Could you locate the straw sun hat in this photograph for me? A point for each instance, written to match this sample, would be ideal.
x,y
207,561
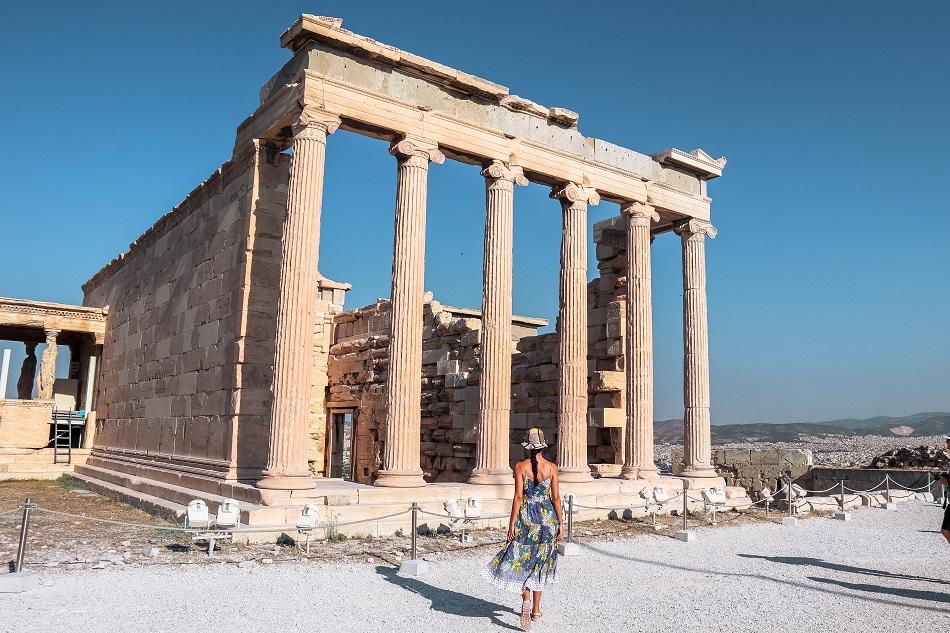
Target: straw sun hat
x,y
534,439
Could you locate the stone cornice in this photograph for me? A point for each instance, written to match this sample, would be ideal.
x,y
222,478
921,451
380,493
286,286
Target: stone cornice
x,y
696,161
42,308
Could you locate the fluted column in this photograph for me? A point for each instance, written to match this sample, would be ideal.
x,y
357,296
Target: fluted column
x,y
287,467
638,453
401,451
44,390
696,424
572,331
494,404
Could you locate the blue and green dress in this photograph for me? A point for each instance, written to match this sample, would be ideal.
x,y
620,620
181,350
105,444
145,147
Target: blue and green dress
x,y
530,560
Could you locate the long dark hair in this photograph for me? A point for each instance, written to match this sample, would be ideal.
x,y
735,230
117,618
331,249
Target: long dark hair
x,y
534,463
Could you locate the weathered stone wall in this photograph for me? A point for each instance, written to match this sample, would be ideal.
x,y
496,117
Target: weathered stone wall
x,y
185,371
753,468
451,372
358,365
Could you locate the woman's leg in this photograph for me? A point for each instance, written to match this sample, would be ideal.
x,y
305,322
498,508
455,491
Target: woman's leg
x,y
537,604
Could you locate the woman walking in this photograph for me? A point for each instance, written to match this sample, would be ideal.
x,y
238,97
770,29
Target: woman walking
x,y
528,563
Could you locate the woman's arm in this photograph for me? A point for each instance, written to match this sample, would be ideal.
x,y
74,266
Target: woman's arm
x,y
556,494
516,503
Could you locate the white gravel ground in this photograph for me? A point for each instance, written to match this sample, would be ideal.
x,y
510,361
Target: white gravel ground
x,y
882,570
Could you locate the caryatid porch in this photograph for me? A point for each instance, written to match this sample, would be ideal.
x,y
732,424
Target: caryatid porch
x,y
515,141
24,420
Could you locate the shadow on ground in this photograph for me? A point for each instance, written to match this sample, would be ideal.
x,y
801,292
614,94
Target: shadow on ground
x,y
802,561
449,602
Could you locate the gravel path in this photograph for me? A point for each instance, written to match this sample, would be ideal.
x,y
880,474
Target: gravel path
x,y
883,569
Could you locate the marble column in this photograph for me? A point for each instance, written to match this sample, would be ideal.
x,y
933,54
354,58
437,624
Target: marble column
x,y
287,467
24,384
696,423
4,373
494,404
572,331
401,451
638,352
44,390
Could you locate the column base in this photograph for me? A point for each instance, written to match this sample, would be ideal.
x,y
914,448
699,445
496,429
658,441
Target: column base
x,y
488,476
574,475
634,472
699,472
400,479
286,482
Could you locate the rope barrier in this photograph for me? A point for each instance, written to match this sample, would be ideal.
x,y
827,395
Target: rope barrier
x,y
874,489
489,517
113,522
237,530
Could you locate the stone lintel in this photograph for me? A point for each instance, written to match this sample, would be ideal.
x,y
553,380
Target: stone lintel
x,y
52,316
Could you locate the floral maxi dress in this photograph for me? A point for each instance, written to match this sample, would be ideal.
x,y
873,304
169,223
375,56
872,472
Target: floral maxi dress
x,y
530,560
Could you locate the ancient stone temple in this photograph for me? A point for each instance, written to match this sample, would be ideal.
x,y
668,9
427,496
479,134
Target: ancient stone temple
x,y
231,367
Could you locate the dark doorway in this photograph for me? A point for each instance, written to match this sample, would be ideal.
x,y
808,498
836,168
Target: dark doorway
x,y
341,445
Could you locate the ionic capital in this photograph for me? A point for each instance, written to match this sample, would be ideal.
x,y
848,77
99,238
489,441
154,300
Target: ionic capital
x,y
575,193
499,170
693,227
51,336
411,148
313,124
640,211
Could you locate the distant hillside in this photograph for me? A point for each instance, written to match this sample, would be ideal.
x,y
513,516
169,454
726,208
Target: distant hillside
x,y
916,425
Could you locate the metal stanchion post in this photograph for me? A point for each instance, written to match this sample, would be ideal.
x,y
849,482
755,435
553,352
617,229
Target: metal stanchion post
x,y
570,548
20,581
943,496
842,515
414,566
685,535
24,533
415,528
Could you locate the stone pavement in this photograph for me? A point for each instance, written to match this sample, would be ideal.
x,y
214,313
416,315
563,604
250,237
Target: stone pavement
x,y
881,570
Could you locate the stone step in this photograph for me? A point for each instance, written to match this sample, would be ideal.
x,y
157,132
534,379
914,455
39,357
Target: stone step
x,y
41,456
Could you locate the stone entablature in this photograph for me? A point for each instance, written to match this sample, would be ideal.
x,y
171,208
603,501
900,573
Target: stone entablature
x,y
42,315
379,90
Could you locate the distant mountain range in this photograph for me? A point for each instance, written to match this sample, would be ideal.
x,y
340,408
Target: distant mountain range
x,y
916,425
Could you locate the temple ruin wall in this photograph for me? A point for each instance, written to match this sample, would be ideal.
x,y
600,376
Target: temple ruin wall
x,y
189,341
451,372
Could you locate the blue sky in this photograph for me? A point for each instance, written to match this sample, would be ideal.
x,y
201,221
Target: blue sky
x,y
828,283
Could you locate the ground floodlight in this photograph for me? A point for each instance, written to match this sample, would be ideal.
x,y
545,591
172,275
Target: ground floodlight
x,y
647,494
714,496
451,507
766,492
229,514
473,508
197,514
660,494
309,516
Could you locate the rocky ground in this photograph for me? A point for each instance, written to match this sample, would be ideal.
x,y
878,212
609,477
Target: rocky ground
x,y
827,451
821,575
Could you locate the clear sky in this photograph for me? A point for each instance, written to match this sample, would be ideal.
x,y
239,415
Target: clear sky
x,y
828,283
